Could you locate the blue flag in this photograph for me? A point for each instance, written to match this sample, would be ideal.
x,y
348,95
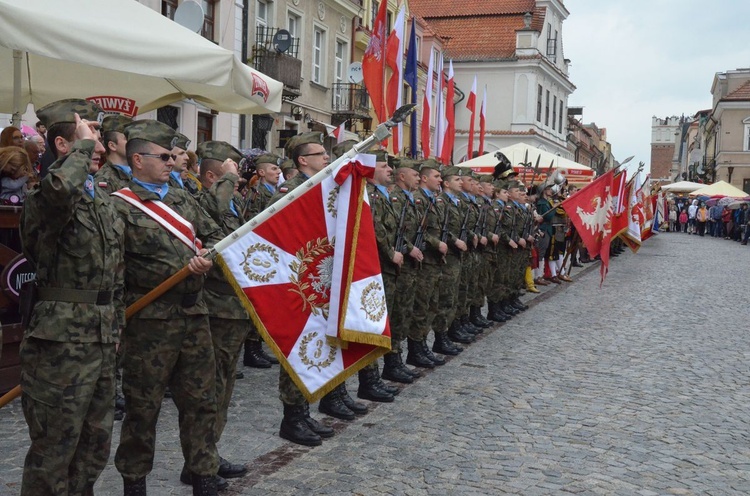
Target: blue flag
x,y
410,78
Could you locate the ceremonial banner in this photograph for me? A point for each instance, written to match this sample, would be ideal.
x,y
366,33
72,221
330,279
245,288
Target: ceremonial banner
x,y
632,237
620,207
449,137
310,277
482,122
427,109
471,104
373,63
591,212
394,58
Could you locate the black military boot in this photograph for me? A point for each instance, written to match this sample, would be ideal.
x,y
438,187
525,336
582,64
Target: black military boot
x,y
506,307
369,389
392,370
294,428
204,485
414,373
417,357
318,428
482,318
355,406
187,477
436,360
119,406
444,345
516,303
469,328
253,357
495,314
268,356
456,334
332,405
476,319
134,488
230,470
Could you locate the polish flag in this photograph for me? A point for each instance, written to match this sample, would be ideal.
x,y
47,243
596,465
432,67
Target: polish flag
x,y
373,63
394,58
426,109
450,117
338,133
439,109
482,115
471,104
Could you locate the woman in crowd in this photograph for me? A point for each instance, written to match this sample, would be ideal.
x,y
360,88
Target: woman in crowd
x,y
683,218
11,136
701,217
15,173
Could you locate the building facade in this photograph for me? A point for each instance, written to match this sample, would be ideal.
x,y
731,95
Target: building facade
x,y
665,135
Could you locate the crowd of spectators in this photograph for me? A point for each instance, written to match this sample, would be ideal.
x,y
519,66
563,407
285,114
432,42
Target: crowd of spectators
x,y
718,221
20,160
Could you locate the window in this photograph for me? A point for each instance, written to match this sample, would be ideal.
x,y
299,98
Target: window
x,y
208,19
546,110
339,71
319,37
168,8
560,117
554,112
539,104
262,13
746,141
294,25
205,127
418,47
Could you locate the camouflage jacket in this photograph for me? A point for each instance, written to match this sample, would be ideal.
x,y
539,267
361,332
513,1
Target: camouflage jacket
x,y
260,198
455,218
152,254
76,243
111,178
435,216
507,223
287,187
385,218
470,204
400,200
221,298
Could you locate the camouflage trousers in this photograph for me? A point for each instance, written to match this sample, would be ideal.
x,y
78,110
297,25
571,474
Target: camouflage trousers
x,y
426,294
467,282
500,291
228,336
519,262
68,402
450,277
401,313
177,353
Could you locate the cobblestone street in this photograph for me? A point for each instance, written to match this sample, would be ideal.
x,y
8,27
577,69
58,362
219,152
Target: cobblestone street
x,y
637,388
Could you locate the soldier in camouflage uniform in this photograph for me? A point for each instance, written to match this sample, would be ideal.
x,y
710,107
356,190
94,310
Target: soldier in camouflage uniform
x,y
168,343
431,212
180,161
498,293
470,212
229,320
71,233
115,174
487,258
267,168
520,256
451,274
297,426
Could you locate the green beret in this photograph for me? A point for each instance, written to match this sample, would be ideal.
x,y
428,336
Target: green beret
x,y
485,178
64,111
451,171
218,150
268,158
381,155
153,131
430,163
115,123
287,164
302,139
341,148
182,141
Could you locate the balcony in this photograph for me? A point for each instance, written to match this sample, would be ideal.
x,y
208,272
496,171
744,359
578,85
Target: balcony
x,y
350,101
281,66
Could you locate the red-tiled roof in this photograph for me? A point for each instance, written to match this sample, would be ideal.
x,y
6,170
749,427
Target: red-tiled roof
x,y
741,93
469,8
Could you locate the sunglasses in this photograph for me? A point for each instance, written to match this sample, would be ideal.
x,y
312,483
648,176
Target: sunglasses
x,y
163,156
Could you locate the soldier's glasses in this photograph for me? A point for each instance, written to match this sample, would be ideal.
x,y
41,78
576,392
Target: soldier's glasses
x,y
314,154
163,156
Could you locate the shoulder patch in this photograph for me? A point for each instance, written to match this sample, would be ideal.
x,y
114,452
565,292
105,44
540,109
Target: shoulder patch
x,y
394,198
102,184
417,201
438,200
283,189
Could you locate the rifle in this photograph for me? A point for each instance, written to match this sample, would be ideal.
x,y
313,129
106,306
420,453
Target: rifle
x,y
481,226
400,245
513,235
463,234
444,228
419,238
499,221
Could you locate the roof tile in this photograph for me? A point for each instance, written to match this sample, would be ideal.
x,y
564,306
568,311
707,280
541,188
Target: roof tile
x,y
741,93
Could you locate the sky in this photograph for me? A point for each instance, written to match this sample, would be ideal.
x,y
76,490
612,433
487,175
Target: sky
x,y
635,59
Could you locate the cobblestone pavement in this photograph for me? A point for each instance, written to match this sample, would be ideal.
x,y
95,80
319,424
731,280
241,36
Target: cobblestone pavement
x,y
637,388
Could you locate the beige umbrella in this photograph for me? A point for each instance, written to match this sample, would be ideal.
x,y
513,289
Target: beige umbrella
x,y
682,187
721,188
51,49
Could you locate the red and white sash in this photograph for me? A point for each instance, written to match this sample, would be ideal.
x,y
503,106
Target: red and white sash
x,y
167,218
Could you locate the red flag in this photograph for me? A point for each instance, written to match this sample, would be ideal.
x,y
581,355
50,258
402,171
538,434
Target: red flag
x,y
471,104
315,293
338,133
394,57
482,114
591,212
446,153
426,109
622,204
373,63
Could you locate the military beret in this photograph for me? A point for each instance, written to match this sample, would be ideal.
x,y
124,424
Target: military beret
x,y
485,178
153,131
64,111
303,139
182,141
381,155
115,123
341,148
218,150
268,158
451,171
287,165
430,163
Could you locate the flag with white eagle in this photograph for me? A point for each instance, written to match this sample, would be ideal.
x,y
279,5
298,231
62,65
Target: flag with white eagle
x,y
310,277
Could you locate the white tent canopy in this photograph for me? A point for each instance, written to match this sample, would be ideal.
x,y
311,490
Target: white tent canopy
x,y
65,50
682,187
520,152
720,188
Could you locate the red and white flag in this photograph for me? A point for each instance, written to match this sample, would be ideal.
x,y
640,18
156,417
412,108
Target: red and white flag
x,y
315,291
394,58
373,63
426,135
338,133
439,108
482,121
632,237
591,212
471,104
621,208
446,153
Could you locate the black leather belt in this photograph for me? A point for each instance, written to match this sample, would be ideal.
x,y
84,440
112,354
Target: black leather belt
x,y
71,295
182,299
220,287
